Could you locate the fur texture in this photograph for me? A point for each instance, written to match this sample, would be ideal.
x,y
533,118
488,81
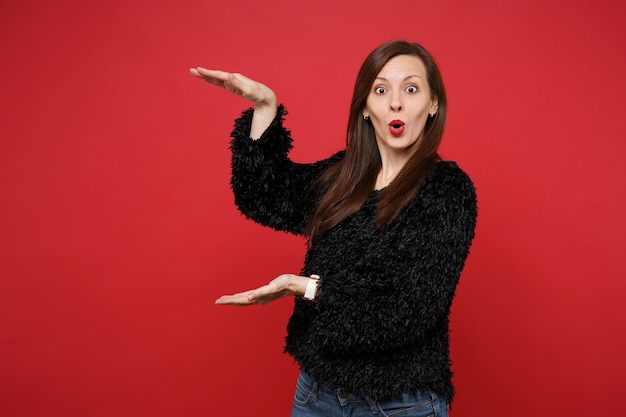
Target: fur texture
x,y
379,326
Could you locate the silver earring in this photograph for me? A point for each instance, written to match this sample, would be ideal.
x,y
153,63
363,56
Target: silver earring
x,y
366,117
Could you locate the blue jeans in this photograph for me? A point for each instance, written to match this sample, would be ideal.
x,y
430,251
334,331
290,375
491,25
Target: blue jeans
x,y
314,400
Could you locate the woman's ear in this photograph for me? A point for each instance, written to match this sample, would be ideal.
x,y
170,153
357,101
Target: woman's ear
x,y
434,106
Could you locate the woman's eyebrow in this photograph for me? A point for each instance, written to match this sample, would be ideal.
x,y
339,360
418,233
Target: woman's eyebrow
x,y
405,78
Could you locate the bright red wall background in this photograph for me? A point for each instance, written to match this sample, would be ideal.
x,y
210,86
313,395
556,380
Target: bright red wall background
x,y
118,228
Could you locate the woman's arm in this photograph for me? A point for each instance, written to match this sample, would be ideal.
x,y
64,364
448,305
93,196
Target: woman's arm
x,y
269,188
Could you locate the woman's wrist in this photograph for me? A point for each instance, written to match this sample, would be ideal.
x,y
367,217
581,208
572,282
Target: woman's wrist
x,y
268,102
297,285
262,117
304,287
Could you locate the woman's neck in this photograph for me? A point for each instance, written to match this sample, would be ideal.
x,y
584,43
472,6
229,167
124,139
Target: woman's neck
x,y
391,167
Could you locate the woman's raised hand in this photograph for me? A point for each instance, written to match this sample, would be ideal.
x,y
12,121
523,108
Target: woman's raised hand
x,y
238,84
264,99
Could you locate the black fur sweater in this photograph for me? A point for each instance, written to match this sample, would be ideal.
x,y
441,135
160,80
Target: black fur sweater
x,y
379,325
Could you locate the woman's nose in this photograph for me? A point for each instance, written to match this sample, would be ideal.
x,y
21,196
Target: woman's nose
x,y
395,104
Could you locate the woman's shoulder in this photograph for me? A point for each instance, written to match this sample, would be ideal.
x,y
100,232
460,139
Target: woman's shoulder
x,y
448,180
448,173
448,168
447,196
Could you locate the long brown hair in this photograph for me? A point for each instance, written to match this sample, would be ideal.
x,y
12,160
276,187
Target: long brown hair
x,y
346,185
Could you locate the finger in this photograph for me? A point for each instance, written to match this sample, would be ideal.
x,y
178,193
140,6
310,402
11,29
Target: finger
x,y
270,289
268,298
240,80
215,77
235,299
205,72
240,85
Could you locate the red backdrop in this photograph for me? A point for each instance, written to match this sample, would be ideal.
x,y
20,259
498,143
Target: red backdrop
x,y
118,228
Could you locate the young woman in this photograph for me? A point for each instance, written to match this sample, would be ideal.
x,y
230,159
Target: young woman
x,y
389,226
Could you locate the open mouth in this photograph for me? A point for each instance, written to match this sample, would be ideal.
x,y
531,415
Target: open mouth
x,y
396,127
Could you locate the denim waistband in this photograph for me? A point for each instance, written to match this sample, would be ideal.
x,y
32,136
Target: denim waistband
x,y
343,396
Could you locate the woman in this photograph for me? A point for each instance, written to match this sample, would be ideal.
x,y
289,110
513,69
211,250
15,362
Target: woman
x,y
389,226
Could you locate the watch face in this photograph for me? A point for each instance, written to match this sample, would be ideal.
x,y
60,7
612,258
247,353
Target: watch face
x,y
311,288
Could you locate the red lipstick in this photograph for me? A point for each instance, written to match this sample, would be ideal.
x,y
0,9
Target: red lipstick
x,y
396,127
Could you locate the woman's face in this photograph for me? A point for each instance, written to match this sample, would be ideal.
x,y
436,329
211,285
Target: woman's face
x,y
399,104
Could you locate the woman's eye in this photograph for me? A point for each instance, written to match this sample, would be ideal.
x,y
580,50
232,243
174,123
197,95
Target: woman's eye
x,y
411,89
380,90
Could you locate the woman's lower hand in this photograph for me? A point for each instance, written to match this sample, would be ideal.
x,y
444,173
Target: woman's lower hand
x,y
281,286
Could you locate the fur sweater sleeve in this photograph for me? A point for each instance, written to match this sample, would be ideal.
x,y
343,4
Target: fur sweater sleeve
x,y
399,294
269,188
